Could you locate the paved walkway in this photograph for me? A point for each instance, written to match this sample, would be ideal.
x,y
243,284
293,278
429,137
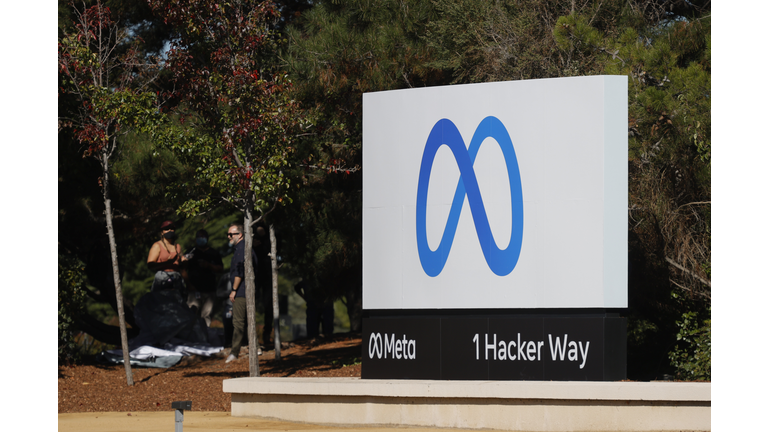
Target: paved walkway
x,y
197,422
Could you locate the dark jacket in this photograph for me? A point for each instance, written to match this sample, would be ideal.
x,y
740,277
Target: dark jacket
x,y
203,279
237,267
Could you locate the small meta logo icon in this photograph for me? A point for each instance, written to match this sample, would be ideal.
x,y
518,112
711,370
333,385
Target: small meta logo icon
x,y
396,348
501,262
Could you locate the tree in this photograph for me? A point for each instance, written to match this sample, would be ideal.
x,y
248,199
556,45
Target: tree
x,y
71,298
480,41
100,71
337,51
236,120
669,69
662,45
340,50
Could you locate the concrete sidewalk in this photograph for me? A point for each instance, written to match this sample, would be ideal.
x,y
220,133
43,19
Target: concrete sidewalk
x,y
197,422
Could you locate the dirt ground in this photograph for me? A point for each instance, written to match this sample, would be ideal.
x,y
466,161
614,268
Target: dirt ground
x,y
93,388
96,398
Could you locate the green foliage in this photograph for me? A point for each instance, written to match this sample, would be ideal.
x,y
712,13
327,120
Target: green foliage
x,y
101,311
130,14
237,133
104,82
344,49
669,69
573,32
481,41
340,317
341,49
692,356
640,331
236,123
325,228
140,174
71,304
338,51
670,145
101,71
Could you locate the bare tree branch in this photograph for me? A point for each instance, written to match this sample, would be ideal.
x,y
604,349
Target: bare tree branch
x,y
701,293
679,267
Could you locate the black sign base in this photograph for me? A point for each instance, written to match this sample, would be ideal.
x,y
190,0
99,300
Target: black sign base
x,y
495,347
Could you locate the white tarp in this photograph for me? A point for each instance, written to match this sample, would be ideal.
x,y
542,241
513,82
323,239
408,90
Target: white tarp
x,y
147,352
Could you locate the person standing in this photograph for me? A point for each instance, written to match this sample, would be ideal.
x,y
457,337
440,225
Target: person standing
x,y
237,296
165,260
203,262
319,310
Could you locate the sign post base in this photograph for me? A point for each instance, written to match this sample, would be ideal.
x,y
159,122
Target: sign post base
x,y
499,346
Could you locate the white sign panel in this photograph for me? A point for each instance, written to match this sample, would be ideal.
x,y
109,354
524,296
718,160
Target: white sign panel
x,y
496,195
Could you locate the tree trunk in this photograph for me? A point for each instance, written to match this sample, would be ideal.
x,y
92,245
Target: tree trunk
x,y
115,268
275,298
250,294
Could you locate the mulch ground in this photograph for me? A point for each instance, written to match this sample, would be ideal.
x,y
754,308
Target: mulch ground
x,y
99,388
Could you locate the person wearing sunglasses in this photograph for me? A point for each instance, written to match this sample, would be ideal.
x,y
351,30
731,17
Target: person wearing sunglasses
x,y
237,296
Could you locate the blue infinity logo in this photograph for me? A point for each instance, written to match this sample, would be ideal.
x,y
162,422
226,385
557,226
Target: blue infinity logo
x,y
501,262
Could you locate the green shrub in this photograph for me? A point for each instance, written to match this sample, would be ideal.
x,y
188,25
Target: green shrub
x,y
692,356
71,300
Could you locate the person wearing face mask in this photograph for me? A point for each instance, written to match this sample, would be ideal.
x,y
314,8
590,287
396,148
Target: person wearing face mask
x,y
203,262
165,259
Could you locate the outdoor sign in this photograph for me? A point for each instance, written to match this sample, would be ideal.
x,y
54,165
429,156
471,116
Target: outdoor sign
x,y
496,195
495,348
505,196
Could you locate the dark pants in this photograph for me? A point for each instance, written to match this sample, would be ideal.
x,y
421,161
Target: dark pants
x,y
226,319
239,314
317,314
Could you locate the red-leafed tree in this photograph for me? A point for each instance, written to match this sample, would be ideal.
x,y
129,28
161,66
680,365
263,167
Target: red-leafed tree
x,y
107,79
236,122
